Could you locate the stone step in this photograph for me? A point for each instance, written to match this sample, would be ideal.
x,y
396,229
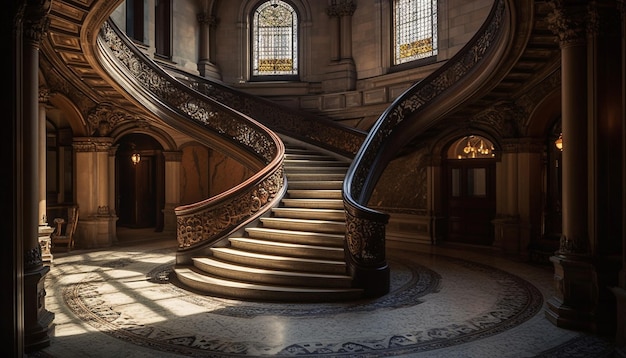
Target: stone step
x,y
313,176
324,226
286,248
313,203
316,214
315,184
314,193
259,292
298,237
277,262
242,273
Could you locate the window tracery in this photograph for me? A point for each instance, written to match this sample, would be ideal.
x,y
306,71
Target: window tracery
x,y
415,30
275,39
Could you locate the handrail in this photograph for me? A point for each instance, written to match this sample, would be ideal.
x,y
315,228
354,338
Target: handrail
x,y
365,227
208,121
315,130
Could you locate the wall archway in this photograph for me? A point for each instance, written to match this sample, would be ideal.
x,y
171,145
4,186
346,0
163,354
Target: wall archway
x,y
139,184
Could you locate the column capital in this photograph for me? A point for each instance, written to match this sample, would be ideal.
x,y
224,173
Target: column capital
x,y
104,117
204,18
44,94
339,8
35,19
92,144
569,20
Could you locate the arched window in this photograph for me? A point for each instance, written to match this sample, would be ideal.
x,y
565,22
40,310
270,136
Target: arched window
x,y
275,40
415,30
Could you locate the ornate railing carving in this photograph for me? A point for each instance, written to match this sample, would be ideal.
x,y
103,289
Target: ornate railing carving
x,y
365,227
312,129
205,222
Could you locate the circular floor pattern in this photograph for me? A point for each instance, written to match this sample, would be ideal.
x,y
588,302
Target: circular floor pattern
x,y
199,326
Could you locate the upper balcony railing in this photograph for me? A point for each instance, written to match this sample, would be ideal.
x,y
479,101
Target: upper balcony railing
x,y
410,114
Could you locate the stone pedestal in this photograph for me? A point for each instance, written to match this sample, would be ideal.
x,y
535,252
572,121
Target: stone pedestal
x,y
39,325
44,242
573,305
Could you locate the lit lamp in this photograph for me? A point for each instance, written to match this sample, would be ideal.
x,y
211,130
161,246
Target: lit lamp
x,y
135,158
559,142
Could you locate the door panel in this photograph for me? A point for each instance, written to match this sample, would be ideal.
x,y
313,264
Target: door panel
x,y
470,201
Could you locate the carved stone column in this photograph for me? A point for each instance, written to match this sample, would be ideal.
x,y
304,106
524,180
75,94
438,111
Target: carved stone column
x,y
341,75
574,302
172,189
205,66
44,229
620,290
37,320
96,223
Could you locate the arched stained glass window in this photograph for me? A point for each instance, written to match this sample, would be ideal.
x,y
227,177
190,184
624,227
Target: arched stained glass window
x,y
275,40
415,30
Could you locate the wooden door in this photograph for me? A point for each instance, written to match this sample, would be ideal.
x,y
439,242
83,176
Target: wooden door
x,y
470,201
137,193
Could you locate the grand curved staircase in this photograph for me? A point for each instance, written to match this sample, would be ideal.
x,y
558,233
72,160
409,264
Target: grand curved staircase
x,y
299,229
296,253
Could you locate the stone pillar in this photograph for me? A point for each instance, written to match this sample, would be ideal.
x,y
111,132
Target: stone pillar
x,y
341,74
205,66
44,229
620,290
37,320
111,200
96,223
574,302
172,189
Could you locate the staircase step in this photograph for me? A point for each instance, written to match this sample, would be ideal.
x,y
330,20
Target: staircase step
x,y
308,156
242,290
277,262
326,226
287,249
298,237
242,273
316,214
313,203
313,176
314,193
316,169
289,163
315,184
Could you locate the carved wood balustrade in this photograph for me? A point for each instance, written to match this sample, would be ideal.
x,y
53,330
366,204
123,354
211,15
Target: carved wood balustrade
x,y
210,122
407,117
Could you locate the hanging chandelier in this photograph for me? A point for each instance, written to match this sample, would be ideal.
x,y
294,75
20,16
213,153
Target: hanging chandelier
x,y
476,147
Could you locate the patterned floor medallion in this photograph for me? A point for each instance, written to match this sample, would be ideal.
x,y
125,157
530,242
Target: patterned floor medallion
x,y
206,332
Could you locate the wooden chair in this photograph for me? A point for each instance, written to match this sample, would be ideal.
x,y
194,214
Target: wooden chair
x,y
60,236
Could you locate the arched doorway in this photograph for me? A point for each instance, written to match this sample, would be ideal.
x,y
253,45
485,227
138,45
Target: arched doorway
x,y
140,182
469,191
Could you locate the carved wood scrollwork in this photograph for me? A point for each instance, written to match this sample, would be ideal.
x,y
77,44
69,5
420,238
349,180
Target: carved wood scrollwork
x,y
365,240
209,220
216,221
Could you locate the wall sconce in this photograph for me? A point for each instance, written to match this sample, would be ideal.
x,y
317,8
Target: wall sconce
x,y
558,143
135,158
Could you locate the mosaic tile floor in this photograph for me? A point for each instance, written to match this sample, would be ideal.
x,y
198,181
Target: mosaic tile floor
x,y
443,302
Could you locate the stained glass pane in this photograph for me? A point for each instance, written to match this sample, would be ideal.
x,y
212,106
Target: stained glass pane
x,y
275,40
415,30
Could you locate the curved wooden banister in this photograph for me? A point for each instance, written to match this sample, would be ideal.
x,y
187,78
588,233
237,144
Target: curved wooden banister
x,y
210,122
407,116
315,130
